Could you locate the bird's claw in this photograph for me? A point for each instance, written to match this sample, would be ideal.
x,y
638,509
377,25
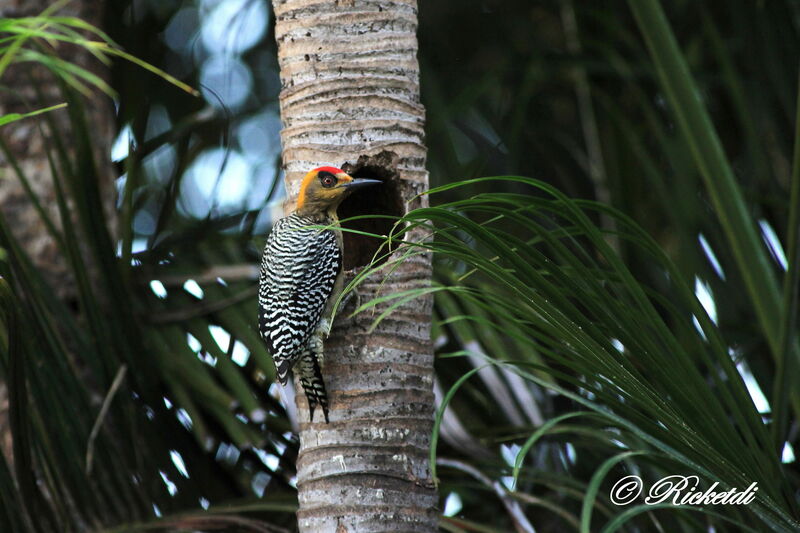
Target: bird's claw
x,y
324,327
316,345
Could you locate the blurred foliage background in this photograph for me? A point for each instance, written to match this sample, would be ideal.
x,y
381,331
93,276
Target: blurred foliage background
x,y
154,406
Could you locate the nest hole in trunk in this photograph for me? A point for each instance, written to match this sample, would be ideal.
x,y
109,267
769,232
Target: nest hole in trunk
x,y
382,199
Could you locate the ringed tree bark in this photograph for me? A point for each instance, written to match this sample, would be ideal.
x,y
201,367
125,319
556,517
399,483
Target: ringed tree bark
x,y
350,89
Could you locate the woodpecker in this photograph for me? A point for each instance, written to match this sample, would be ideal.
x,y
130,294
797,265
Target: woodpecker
x,y
301,278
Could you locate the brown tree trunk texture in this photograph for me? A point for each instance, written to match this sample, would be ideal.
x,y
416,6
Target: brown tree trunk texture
x,y
350,88
30,87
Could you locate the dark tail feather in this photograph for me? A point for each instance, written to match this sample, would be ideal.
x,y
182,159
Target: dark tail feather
x,y
283,371
313,385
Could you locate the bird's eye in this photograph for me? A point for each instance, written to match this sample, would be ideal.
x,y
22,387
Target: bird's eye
x,y
327,179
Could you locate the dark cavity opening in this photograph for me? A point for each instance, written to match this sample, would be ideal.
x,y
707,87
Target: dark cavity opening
x,y
382,199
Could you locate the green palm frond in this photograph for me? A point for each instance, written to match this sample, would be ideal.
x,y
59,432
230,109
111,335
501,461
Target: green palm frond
x,y
557,300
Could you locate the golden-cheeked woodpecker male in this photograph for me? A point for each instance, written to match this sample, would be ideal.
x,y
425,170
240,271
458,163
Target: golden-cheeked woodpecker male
x,y
301,278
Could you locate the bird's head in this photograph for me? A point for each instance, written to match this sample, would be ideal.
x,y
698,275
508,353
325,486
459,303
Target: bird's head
x,y
324,188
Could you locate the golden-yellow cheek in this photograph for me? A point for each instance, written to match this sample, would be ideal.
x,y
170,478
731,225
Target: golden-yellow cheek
x,y
328,194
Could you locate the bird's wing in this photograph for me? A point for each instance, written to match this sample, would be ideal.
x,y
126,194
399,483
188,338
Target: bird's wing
x,y
298,272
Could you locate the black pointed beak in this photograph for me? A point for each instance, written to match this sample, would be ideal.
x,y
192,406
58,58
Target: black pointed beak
x,y
359,183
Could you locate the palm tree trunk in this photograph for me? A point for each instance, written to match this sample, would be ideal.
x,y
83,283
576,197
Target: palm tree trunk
x,y
351,88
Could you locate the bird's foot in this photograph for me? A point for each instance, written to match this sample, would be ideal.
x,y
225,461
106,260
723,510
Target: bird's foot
x,y
315,343
324,328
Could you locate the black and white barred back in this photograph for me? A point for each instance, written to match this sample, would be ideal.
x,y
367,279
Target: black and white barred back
x,y
298,272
